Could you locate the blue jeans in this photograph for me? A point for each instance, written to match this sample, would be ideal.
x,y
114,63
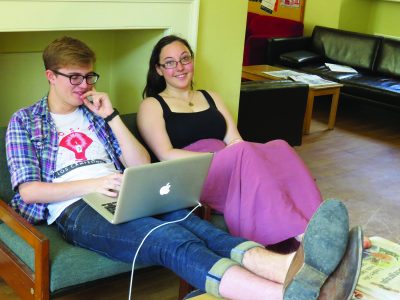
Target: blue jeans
x,y
194,249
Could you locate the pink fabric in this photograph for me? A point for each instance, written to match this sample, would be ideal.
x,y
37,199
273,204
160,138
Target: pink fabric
x,y
265,191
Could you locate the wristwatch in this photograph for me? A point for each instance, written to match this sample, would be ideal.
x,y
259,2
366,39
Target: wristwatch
x,y
112,115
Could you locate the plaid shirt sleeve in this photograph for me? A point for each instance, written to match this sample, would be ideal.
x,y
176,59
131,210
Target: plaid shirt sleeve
x,y
107,137
21,155
29,159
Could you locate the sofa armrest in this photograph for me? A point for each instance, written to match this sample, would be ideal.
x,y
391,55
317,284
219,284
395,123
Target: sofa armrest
x,y
28,284
277,46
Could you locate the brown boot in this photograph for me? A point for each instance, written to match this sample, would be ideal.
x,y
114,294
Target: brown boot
x,y
342,283
321,251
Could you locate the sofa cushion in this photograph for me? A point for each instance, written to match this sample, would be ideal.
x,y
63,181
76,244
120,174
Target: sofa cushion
x,y
374,89
69,265
322,70
347,48
388,61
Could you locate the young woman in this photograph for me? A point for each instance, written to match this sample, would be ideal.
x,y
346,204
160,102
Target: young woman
x,y
265,191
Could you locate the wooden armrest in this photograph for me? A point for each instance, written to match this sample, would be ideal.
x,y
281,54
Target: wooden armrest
x,y
20,226
31,285
204,212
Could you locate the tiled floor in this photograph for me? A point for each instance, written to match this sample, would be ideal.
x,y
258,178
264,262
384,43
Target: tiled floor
x,y
359,163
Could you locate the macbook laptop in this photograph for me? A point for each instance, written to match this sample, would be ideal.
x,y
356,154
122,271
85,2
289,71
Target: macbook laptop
x,y
154,189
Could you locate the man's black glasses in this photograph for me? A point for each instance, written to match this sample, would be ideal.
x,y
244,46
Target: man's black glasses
x,y
171,64
77,79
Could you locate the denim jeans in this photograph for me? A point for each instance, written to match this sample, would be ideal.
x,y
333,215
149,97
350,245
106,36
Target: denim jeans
x,y
194,249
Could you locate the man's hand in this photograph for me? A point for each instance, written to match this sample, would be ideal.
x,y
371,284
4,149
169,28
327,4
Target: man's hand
x,y
100,103
109,185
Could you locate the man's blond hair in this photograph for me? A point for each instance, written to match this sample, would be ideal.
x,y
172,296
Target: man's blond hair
x,y
67,51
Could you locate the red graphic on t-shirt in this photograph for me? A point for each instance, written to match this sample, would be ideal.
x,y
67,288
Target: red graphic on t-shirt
x,y
77,142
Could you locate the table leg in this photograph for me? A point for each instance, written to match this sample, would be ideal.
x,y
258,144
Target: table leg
x,y
334,106
308,114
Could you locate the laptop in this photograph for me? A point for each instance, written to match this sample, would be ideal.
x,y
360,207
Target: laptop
x,y
153,189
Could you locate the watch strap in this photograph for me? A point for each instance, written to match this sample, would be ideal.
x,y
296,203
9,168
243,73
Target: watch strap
x,y
112,115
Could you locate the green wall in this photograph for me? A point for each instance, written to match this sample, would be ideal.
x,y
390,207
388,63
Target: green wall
x,y
218,56
121,56
122,70
368,16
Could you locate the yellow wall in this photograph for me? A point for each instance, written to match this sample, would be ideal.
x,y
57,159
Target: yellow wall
x,y
218,59
368,16
220,48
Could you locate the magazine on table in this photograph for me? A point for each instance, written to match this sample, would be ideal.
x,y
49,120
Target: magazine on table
x,y
380,272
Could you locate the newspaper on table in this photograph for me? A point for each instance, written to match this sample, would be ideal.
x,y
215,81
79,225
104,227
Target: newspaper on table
x,y
312,80
380,272
284,74
340,68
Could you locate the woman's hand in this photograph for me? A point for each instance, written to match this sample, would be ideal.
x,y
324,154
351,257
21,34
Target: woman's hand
x,y
234,141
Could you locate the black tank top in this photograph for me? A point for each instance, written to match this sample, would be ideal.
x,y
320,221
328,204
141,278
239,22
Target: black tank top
x,y
186,128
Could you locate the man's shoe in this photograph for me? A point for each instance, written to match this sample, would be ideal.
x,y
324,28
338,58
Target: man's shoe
x,y
342,283
320,252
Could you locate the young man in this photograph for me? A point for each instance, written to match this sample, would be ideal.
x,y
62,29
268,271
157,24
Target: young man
x,y
72,142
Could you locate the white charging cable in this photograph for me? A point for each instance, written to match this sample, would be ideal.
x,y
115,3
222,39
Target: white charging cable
x,y
141,244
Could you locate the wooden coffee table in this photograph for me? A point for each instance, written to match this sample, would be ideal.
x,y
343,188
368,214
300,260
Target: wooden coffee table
x,y
255,72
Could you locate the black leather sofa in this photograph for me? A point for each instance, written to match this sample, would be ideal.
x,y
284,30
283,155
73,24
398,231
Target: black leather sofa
x,y
376,58
270,110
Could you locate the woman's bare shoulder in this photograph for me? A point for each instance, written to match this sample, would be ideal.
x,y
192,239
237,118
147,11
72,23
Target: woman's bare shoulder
x,y
149,104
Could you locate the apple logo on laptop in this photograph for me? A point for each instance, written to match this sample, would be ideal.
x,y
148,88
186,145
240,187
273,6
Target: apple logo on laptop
x,y
165,189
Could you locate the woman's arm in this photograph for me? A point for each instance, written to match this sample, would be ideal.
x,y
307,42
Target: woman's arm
x,y
232,134
152,128
133,152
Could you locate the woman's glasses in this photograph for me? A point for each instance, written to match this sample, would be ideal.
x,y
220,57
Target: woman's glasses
x,y
172,64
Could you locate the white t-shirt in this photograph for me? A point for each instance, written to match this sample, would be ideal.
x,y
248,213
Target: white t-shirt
x,y
80,155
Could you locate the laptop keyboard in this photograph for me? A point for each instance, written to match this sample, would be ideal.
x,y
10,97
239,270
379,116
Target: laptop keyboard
x,y
110,206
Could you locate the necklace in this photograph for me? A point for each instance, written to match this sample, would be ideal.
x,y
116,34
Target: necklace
x,y
191,99
189,102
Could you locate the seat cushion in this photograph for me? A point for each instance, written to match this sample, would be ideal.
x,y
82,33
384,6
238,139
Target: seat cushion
x,y
381,90
70,265
388,61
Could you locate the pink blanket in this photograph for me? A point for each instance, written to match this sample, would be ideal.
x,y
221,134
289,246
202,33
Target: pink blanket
x,y
265,191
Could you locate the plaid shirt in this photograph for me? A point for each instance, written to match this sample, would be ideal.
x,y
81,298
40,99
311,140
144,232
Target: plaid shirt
x,y
32,146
